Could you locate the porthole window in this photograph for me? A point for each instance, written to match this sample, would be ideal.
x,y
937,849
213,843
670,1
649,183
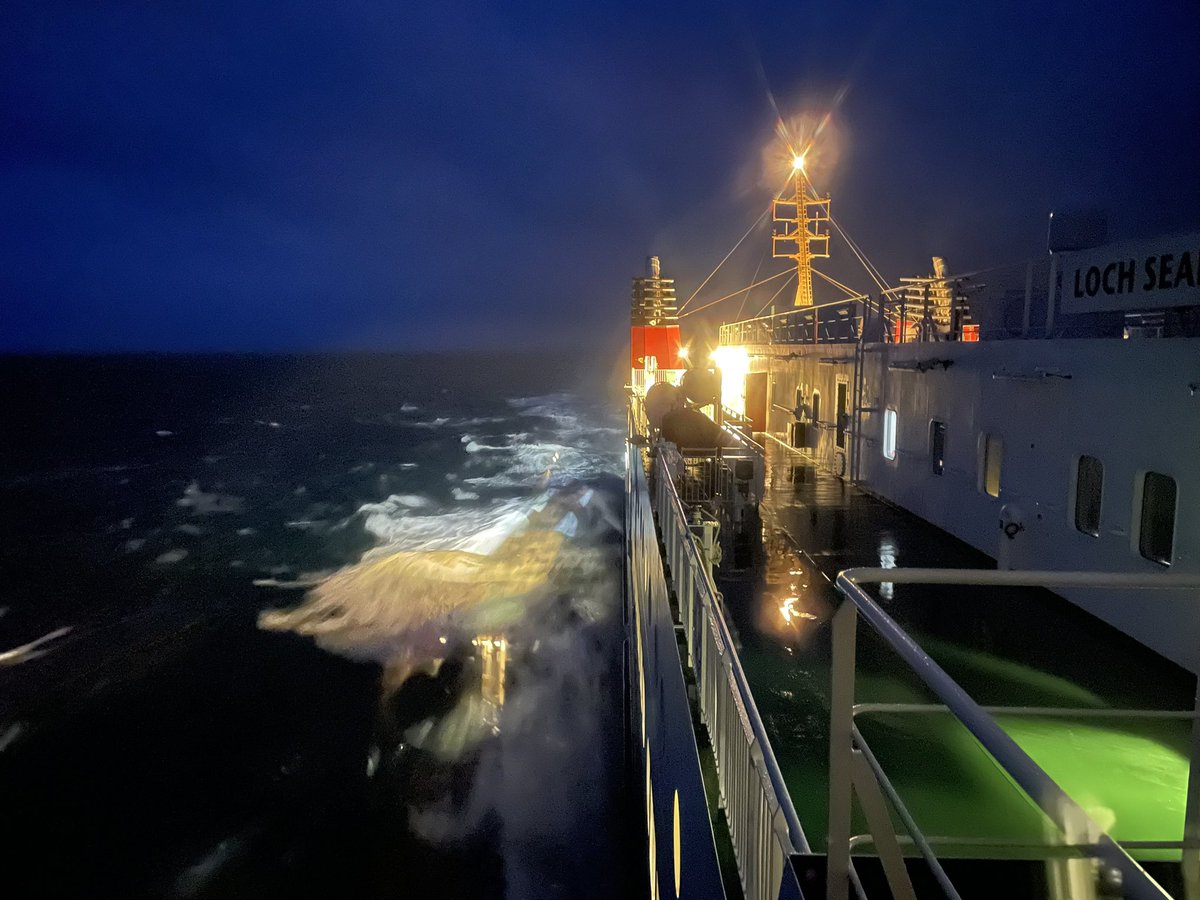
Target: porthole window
x,y
991,459
937,447
1089,490
1156,536
889,433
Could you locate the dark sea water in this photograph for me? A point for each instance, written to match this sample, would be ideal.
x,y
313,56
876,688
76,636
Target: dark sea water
x,y
169,728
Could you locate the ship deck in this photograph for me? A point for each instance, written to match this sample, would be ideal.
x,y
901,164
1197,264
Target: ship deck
x,y
1006,646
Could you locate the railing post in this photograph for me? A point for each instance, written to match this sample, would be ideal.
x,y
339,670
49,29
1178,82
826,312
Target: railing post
x,y
841,723
1191,818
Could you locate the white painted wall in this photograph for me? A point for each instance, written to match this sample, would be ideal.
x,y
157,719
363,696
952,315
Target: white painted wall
x,y
1127,403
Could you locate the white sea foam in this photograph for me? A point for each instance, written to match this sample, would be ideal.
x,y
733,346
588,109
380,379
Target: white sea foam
x,y
171,557
471,445
202,503
494,481
306,524
409,407
408,501
164,433
9,734
33,649
475,530
463,422
460,494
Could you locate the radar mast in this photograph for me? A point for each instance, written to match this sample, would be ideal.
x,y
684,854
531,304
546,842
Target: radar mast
x,y
801,230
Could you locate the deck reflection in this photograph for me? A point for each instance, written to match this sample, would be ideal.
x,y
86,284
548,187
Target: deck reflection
x,y
1005,646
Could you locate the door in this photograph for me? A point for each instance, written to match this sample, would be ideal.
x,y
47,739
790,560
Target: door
x,y
756,400
843,412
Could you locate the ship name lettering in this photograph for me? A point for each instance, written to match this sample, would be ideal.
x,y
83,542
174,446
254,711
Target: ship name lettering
x,y
1163,274
1115,278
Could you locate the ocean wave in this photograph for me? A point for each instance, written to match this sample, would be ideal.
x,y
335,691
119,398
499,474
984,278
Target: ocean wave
x,y
397,502
33,649
477,530
464,422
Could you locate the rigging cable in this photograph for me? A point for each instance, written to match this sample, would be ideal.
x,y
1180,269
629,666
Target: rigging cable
x,y
853,294
777,293
753,277
722,262
735,293
871,268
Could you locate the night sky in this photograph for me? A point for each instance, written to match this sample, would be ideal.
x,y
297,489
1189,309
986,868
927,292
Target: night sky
x,y
408,175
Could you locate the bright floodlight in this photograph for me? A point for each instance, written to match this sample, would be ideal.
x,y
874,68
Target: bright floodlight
x,y
798,162
682,353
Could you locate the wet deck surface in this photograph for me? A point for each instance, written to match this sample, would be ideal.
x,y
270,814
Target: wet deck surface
x,y
1012,647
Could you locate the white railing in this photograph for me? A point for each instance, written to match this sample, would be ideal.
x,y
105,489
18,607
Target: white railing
x,y
763,824
853,768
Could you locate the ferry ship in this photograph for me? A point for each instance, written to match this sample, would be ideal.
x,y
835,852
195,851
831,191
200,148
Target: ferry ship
x,y
912,578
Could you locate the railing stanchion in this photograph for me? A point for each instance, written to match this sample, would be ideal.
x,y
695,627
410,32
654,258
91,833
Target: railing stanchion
x,y
841,723
1191,820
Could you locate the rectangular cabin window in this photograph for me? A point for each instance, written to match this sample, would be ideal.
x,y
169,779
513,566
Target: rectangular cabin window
x,y
1089,489
991,460
1156,536
937,447
889,433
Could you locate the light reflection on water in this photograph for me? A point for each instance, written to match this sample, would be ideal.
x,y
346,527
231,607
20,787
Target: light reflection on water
x,y
791,604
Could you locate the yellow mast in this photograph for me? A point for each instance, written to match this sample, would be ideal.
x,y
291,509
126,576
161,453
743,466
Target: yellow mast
x,y
803,234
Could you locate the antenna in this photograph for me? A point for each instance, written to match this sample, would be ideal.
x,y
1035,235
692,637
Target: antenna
x,y
801,231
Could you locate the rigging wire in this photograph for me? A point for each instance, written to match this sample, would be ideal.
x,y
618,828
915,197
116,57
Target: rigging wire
x,y
722,262
735,293
778,195
837,284
776,294
753,277
871,268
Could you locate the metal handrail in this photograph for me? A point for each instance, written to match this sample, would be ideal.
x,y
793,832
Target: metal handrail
x,y
1057,805
795,830
763,824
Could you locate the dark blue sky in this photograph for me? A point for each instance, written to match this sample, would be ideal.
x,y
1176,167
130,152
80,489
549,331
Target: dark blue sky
x,y
423,175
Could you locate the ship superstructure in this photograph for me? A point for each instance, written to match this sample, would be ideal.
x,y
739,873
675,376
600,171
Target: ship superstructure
x,y
1014,435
